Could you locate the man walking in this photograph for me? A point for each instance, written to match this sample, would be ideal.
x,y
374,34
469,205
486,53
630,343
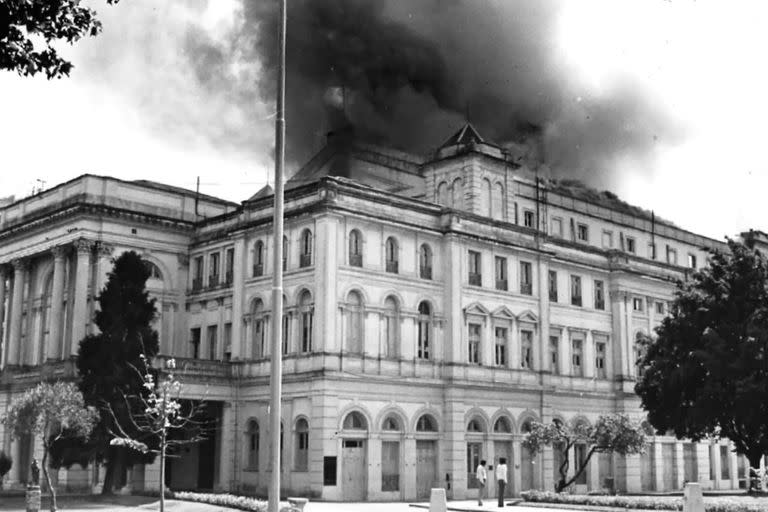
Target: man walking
x,y
501,478
482,476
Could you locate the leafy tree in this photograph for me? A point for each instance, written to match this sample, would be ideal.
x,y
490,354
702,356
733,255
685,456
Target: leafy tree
x,y
6,463
107,364
706,373
23,22
52,412
614,433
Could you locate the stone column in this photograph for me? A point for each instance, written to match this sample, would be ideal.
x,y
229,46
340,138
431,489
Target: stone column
x,y
238,296
566,357
80,307
548,468
3,292
103,255
408,478
733,467
487,341
326,297
679,465
55,347
658,465
514,345
542,342
452,257
515,467
702,464
589,355
20,269
593,473
715,461
227,441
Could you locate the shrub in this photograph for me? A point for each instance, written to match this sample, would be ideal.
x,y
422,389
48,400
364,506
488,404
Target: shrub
x,y
5,464
224,500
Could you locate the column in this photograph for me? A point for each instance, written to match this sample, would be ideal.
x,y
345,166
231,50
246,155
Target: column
x,y
227,455
55,347
487,349
103,266
679,465
733,467
453,255
238,294
589,355
658,466
702,464
543,334
80,306
3,291
515,466
454,447
619,334
566,367
593,473
514,345
327,337
20,268
408,478
714,460
632,472
548,468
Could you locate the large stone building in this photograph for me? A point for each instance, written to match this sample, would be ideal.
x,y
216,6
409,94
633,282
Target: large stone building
x,y
433,307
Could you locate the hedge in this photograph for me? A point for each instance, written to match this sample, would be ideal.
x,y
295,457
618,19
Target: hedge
x,y
224,500
711,504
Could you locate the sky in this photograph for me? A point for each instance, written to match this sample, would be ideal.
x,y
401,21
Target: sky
x,y
152,98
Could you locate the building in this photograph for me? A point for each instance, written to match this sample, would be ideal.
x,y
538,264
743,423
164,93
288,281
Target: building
x,y
433,307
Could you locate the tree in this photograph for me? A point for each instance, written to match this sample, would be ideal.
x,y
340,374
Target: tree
x,y
706,372
614,433
6,463
25,22
160,414
52,412
107,362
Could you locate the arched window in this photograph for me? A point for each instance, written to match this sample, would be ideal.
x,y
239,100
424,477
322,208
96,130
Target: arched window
x,y
285,253
391,327
526,427
486,208
355,323
425,261
426,423
355,249
252,445
475,425
258,259
306,317
502,426
259,330
391,424
305,258
355,421
442,194
301,454
391,255
497,200
457,193
424,348
154,271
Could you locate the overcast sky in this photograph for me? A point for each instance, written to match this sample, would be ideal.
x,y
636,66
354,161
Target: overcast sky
x,y
136,107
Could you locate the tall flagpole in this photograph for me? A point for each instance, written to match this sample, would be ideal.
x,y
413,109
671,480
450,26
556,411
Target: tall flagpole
x,y
276,374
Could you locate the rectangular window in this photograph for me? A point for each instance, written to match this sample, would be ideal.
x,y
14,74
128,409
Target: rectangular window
x,y
599,295
580,454
631,246
577,348
557,227
474,453
576,290
660,308
526,349
528,219
501,346
260,345
600,359
329,470
582,232
637,304
229,267
552,286
213,338
286,335
302,450
554,354
194,342
197,281
501,273
306,330
475,269
474,344
671,256
607,239
227,340
213,269
526,278
692,261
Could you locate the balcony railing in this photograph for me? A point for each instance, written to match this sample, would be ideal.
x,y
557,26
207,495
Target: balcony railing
x,y
425,272
576,300
526,288
305,260
197,284
392,267
228,278
213,280
356,260
501,284
599,304
553,295
258,270
475,279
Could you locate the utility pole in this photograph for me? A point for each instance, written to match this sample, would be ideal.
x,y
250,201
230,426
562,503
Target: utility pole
x,y
276,374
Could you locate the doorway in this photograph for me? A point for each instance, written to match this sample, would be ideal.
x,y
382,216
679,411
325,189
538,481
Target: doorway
x,y
426,468
353,467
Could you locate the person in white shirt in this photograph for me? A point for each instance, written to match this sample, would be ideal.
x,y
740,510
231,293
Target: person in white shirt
x,y
482,476
501,478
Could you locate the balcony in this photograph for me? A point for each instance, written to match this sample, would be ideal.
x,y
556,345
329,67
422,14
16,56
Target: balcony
x,y
576,301
553,295
425,272
356,260
475,279
392,267
526,288
228,278
258,270
501,284
197,284
213,280
305,260
600,304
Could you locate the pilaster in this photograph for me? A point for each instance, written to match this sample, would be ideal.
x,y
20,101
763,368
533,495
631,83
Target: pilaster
x,y
55,348
20,270
80,318
238,296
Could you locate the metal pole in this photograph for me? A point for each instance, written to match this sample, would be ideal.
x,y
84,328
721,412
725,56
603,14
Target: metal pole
x,y
276,374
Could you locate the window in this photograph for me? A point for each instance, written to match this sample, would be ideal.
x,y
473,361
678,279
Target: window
x,y
501,346
526,349
671,256
582,232
425,262
213,269
354,323
213,337
485,198
502,426
576,290
652,250
631,246
600,351
599,295
577,348
552,286
442,194
197,281
499,211
660,308
258,259
554,344
474,451
301,452
355,421
580,454
252,442
154,271
475,269
259,334
391,256
426,423
501,273
306,318
474,344
526,278
285,253
637,304
425,320
607,239
227,341
286,334
355,249
194,342
305,258
457,194
390,424
229,266
391,327
557,227
528,219
692,261
475,426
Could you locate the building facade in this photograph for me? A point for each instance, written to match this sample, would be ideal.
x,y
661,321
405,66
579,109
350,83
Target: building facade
x,y
433,307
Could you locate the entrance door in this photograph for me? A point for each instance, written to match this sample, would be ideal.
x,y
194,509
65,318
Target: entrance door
x,y
426,468
502,449
390,466
526,470
206,462
353,470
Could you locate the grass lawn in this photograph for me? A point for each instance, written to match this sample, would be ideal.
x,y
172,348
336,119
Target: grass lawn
x,y
111,503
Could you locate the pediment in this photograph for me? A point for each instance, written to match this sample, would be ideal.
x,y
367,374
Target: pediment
x,y
528,316
476,309
503,312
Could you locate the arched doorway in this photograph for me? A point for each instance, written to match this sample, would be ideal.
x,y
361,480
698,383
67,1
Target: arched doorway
x,y
426,455
354,467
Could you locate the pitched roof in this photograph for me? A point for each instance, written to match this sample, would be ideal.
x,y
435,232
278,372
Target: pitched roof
x,y
467,135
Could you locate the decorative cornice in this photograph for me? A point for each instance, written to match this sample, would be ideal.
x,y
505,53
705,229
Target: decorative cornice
x,y
20,264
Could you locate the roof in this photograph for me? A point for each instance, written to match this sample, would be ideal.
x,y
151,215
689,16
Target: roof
x,y
264,191
179,190
466,135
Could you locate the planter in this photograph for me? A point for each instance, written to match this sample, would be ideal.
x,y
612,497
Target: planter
x,y
33,498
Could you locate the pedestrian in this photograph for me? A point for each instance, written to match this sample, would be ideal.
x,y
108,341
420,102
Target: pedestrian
x,y
482,476
501,478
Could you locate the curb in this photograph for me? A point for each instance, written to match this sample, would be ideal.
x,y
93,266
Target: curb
x,y
456,508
